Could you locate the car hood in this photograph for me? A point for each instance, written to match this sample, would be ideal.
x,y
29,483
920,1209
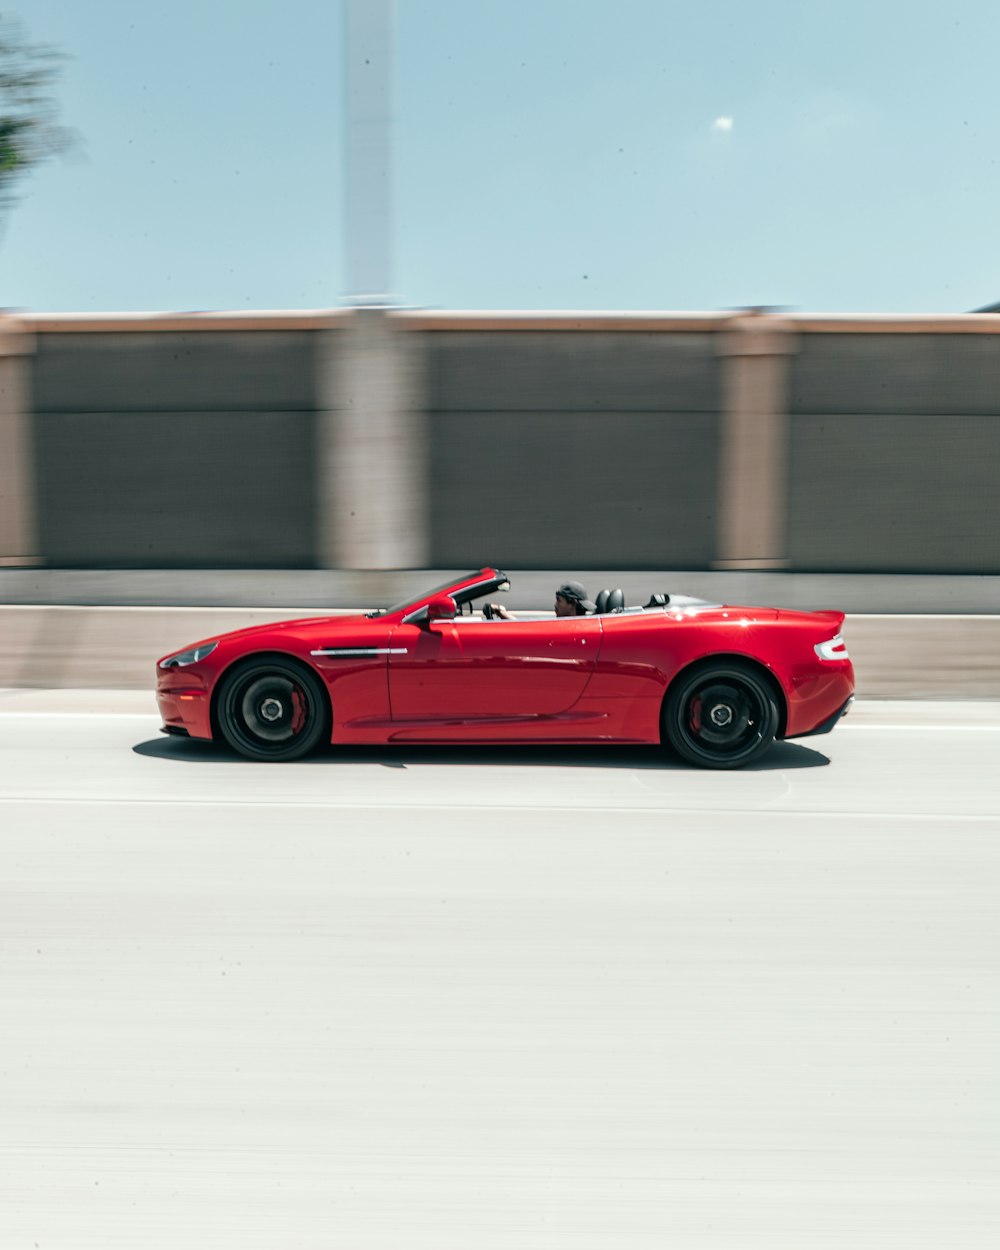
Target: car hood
x,y
299,625
305,624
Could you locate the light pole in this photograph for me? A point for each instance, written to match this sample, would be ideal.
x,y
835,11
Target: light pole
x,y
369,50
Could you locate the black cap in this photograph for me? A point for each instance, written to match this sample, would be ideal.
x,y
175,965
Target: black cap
x,y
575,593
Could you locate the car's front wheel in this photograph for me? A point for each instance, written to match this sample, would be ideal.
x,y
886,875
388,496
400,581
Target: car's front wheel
x,y
722,716
272,709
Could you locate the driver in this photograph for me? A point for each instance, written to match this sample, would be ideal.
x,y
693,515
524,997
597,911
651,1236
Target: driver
x,y
571,600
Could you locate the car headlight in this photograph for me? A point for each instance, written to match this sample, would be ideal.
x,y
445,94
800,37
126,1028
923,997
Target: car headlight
x,y
833,649
191,656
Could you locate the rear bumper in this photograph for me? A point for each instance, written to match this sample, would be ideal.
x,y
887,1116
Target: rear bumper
x,y
830,721
817,697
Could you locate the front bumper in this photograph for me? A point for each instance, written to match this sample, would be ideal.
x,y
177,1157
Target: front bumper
x,y
185,707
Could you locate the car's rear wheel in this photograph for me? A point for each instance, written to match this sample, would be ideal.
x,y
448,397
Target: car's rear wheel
x,y
723,716
272,709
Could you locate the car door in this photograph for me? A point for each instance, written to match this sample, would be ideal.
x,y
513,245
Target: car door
x,y
351,655
469,668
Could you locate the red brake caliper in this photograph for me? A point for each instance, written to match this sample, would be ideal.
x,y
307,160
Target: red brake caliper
x,y
299,713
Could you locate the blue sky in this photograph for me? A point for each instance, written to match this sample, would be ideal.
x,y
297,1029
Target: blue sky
x,y
548,154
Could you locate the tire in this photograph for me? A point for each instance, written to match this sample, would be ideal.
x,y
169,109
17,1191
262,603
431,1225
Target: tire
x,y
272,709
720,716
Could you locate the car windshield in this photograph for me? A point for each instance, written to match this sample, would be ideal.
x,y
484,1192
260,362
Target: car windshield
x,y
436,590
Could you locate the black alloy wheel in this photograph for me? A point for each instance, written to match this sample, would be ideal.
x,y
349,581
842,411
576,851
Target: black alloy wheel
x,y
721,717
272,709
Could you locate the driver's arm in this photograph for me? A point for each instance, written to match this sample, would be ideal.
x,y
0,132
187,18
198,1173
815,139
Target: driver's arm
x,y
496,611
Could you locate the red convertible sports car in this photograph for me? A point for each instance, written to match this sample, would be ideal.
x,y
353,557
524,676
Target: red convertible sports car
x,y
717,683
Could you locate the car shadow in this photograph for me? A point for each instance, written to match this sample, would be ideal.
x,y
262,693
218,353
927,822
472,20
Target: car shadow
x,y
781,757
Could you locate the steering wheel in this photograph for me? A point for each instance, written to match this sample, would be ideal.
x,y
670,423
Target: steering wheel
x,y
488,611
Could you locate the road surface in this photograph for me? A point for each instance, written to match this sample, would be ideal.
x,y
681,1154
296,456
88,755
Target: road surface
x,y
579,999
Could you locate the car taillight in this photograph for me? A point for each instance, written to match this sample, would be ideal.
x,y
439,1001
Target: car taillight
x,y
834,649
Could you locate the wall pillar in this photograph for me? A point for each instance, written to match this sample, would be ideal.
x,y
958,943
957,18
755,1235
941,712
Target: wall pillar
x,y
374,511
752,527
18,514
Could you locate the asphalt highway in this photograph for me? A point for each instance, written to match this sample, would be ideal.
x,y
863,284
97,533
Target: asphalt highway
x,y
463,999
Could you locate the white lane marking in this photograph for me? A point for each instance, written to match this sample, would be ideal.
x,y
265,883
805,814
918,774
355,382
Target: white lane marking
x,y
79,715
412,803
955,729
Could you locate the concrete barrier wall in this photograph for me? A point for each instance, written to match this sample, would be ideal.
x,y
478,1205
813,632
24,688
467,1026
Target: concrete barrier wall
x,y
898,657
543,490
176,449
374,440
895,452
557,448
117,648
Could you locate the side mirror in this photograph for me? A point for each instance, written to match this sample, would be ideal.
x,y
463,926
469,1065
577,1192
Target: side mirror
x,y
442,608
